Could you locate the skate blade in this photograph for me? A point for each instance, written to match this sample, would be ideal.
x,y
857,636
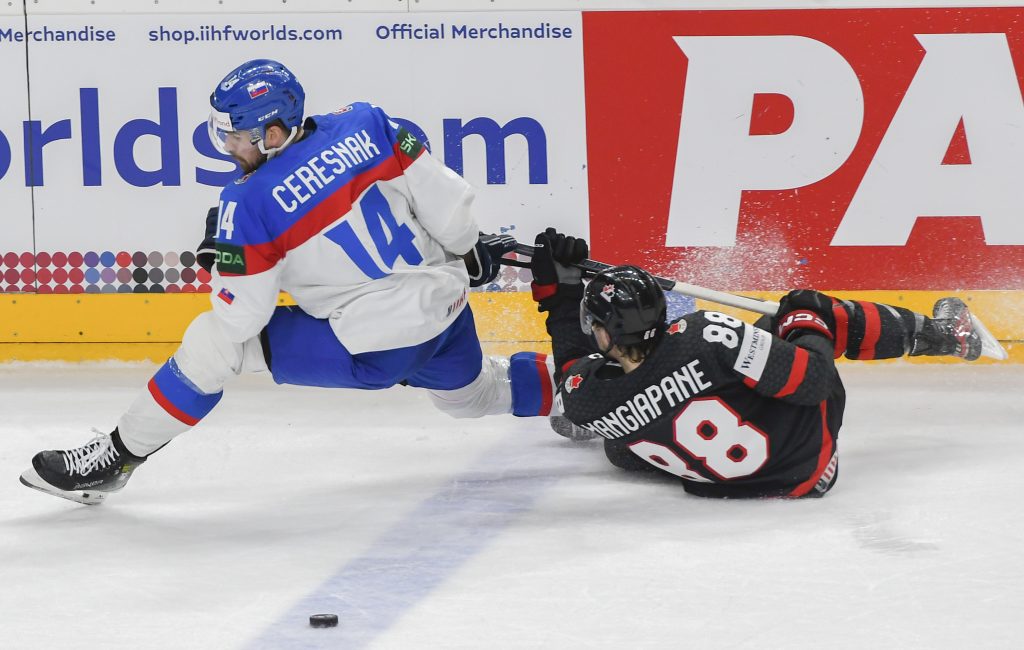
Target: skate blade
x,y
563,427
30,478
990,346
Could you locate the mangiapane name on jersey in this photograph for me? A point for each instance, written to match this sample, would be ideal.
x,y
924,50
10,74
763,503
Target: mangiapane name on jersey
x,y
649,404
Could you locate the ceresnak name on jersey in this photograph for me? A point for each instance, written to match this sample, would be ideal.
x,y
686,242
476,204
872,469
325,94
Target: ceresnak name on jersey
x,y
320,170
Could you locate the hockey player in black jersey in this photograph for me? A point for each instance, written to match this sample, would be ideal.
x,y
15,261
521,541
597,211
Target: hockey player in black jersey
x,y
735,410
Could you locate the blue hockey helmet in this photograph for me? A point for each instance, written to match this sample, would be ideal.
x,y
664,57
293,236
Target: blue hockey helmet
x,y
252,96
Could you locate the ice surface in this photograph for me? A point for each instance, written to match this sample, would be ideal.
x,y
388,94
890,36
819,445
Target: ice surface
x,y
425,532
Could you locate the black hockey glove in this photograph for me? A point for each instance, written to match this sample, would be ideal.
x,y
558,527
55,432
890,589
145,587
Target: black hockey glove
x,y
805,312
552,262
206,254
483,262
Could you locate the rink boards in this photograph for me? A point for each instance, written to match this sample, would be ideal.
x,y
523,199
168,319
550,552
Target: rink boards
x,y
141,327
747,148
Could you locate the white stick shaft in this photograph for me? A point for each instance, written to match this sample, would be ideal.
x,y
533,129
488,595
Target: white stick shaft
x,y
990,345
728,299
593,267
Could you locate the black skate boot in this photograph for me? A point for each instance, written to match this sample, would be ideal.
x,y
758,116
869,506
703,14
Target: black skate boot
x,y
950,331
86,474
563,427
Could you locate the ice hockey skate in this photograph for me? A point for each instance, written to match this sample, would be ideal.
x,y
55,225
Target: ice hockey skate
x,y
86,474
954,331
990,346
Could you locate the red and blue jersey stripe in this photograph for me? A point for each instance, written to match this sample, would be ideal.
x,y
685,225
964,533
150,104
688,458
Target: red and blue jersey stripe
x,y
179,397
267,232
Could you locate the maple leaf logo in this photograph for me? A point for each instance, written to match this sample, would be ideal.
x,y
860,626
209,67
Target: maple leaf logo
x,y
573,382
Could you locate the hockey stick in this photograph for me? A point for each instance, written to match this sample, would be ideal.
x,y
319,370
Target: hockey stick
x,y
591,268
990,346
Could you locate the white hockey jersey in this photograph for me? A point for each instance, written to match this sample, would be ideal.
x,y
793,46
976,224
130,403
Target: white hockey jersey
x,y
359,223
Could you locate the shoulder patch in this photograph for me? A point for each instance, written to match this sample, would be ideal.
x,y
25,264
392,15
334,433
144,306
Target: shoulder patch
x,y
677,327
239,181
408,144
230,259
573,382
343,109
753,353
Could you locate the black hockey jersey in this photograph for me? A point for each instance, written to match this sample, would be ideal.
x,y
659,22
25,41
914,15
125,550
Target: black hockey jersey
x,y
728,407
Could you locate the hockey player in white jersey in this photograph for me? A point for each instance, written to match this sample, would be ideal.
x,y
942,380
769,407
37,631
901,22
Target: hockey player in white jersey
x,y
374,239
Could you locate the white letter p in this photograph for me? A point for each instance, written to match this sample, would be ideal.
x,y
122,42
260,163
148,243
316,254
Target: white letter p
x,y
717,158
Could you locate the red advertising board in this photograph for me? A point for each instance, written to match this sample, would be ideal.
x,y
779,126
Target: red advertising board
x,y
835,149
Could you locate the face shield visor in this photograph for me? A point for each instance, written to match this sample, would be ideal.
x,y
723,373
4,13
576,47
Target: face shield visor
x,y
218,126
587,319
226,139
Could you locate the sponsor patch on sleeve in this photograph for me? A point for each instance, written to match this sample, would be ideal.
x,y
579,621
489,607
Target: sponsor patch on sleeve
x,y
408,144
230,259
753,352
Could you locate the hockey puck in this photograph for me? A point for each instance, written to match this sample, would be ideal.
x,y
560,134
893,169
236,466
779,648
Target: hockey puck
x,y
323,620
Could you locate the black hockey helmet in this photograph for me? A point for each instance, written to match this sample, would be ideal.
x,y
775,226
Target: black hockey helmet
x,y
627,302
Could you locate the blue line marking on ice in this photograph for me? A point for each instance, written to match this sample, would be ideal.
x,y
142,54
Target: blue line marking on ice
x,y
416,555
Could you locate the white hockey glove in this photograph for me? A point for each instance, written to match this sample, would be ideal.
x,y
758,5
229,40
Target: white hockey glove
x,y
482,262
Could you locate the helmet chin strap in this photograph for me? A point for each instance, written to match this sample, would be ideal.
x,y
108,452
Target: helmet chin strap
x,y
606,353
273,151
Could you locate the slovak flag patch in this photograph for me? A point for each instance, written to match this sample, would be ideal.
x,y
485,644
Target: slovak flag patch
x,y
573,382
226,296
257,89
